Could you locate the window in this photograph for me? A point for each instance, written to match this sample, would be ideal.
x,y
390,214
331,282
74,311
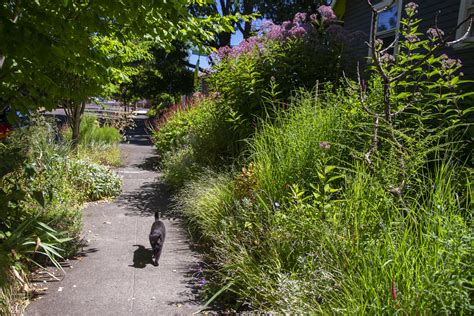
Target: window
x,y
388,21
465,9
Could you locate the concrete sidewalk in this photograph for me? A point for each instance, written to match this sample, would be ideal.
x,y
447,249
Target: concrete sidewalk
x,y
115,276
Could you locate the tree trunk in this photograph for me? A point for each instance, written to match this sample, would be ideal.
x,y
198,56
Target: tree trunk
x,y
248,9
74,113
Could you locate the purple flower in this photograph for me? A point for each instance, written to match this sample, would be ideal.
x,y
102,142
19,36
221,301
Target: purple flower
x,y
387,59
412,38
300,17
297,31
434,33
314,17
411,8
327,13
449,63
324,145
202,282
378,43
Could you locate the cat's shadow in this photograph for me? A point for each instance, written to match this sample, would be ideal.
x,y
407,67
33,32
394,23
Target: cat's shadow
x,y
141,257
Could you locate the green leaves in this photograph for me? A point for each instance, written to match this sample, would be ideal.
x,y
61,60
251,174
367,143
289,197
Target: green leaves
x,y
63,49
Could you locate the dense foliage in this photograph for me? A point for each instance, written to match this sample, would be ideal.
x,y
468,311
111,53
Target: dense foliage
x,y
268,67
42,188
162,79
354,198
194,138
39,47
248,82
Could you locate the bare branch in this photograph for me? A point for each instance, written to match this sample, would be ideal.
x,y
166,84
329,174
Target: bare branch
x,y
375,140
353,87
462,38
392,45
362,93
375,55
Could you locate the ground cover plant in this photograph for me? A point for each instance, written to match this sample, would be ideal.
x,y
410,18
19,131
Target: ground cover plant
x,y
42,188
355,199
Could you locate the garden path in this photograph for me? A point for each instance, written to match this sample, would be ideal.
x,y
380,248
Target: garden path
x,y
114,274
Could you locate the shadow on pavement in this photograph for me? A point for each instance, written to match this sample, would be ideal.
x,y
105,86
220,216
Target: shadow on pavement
x,y
141,257
139,134
194,281
148,199
150,164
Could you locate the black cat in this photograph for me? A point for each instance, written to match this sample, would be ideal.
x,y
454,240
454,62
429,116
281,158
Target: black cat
x,y
157,237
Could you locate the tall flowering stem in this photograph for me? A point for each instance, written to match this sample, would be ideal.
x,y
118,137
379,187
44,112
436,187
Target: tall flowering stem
x,y
392,74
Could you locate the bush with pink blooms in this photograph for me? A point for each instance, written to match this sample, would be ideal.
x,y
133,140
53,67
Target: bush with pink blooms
x,y
280,59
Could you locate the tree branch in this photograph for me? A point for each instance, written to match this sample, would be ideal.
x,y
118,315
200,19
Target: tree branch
x,y
375,56
193,66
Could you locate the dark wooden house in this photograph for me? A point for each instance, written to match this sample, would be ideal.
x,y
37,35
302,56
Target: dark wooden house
x,y
451,12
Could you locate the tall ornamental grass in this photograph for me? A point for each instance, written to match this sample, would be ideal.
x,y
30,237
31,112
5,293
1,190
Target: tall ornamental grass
x,y
351,200
308,227
98,144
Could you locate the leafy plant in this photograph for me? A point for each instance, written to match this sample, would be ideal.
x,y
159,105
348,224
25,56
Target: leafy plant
x,y
42,186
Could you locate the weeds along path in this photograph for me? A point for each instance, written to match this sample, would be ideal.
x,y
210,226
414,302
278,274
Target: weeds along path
x,y
114,275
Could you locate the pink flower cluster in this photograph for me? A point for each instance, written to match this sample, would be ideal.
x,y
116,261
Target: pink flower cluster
x,y
327,13
299,27
253,43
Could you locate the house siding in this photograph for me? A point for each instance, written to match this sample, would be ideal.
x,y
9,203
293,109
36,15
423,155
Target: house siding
x,y
358,17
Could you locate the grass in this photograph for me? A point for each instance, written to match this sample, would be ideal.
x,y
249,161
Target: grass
x,y
308,227
97,144
92,133
101,154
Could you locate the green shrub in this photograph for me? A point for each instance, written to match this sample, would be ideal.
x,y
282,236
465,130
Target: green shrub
x,y
194,139
92,134
94,181
282,58
306,228
42,188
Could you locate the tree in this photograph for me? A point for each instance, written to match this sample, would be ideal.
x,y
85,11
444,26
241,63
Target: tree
x,y
87,44
162,78
225,8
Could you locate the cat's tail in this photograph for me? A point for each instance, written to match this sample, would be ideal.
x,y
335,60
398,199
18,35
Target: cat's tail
x,y
157,216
